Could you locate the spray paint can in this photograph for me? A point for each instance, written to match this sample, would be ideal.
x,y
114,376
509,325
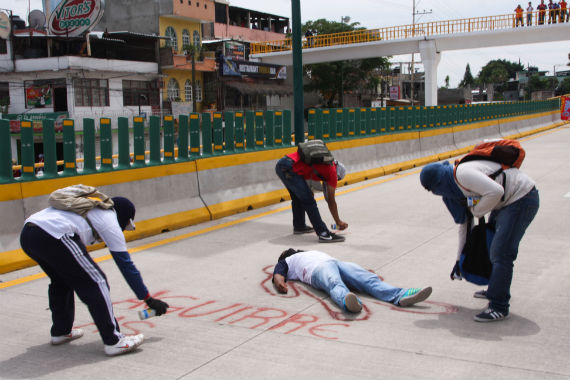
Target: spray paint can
x,y
147,313
333,226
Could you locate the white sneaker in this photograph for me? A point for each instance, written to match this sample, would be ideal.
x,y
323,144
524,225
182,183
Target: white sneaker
x,y
74,334
126,344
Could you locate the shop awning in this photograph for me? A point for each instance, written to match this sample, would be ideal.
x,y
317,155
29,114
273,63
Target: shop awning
x,y
252,88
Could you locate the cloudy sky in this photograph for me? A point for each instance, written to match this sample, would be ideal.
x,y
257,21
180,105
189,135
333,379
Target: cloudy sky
x,y
383,13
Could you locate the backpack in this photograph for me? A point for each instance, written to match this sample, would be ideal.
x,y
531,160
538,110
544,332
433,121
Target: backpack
x,y
315,152
474,263
80,199
508,153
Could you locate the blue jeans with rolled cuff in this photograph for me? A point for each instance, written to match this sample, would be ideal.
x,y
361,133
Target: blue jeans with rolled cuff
x,y
337,278
511,223
302,198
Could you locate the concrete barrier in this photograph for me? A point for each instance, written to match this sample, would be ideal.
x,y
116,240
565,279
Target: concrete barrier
x,y
173,196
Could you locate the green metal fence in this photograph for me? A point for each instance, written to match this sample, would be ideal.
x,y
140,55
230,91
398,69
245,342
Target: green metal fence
x,y
166,141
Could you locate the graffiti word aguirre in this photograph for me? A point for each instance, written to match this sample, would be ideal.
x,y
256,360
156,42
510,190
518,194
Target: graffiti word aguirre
x,y
239,314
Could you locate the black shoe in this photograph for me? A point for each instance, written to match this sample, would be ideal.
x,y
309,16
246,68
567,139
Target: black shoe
x,y
303,230
480,294
330,238
491,315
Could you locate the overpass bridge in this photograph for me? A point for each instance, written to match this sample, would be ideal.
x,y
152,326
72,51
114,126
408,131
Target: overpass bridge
x,y
428,39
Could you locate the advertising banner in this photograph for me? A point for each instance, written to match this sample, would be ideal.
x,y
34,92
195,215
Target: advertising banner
x,y
230,67
234,50
72,18
565,108
394,92
38,95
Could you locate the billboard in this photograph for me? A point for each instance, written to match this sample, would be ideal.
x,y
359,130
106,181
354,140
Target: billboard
x,y
565,108
72,18
230,67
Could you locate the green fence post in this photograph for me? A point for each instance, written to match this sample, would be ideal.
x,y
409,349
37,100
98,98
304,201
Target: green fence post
x,y
89,161
312,124
6,173
207,147
28,155
278,128
287,128
69,159
124,147
373,122
351,122
183,137
106,141
319,125
382,120
139,145
325,124
50,152
218,133
333,123
229,132
168,128
154,140
250,130
194,134
259,130
269,128
339,121
239,131
362,121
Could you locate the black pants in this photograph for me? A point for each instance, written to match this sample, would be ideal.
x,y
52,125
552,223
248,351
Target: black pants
x,y
71,269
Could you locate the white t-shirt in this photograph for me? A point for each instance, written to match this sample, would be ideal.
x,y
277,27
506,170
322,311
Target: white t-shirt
x,y
473,180
302,264
58,223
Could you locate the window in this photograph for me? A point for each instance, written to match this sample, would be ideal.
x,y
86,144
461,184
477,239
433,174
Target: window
x,y
91,92
171,34
3,46
196,38
185,37
137,90
173,90
188,91
198,91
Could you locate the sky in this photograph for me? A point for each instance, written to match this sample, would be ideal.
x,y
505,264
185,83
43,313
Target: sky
x,y
383,13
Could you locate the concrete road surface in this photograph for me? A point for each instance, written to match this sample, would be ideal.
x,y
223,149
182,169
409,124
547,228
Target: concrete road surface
x,y
227,322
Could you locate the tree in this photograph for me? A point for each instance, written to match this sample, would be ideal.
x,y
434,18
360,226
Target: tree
x,y
332,79
447,81
499,71
467,78
564,87
192,50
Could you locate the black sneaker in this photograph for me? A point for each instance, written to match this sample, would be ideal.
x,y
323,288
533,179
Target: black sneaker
x,y
303,230
491,315
480,294
330,238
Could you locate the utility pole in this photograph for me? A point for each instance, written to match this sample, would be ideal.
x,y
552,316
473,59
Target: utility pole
x,y
414,14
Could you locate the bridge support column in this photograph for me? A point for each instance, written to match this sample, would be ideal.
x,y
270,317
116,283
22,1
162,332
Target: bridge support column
x,y
430,59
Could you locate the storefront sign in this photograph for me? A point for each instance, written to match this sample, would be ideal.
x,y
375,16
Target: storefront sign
x,y
75,17
4,25
234,68
234,50
394,92
38,95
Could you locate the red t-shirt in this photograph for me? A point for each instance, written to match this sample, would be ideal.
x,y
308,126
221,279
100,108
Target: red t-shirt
x,y
328,172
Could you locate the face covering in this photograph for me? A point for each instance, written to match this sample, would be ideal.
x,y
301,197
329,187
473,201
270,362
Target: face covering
x,y
438,178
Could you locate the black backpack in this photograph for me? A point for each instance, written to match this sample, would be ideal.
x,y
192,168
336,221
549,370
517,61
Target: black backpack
x,y
315,152
474,263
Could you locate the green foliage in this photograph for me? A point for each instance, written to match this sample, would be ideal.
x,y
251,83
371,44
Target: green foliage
x,y
564,87
468,79
331,79
499,71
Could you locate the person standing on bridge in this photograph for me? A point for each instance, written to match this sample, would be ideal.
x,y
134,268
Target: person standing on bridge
x,y
519,16
337,278
563,11
294,174
551,12
541,12
56,240
529,10
511,198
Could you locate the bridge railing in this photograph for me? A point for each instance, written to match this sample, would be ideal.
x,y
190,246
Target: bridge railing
x,y
468,25
167,141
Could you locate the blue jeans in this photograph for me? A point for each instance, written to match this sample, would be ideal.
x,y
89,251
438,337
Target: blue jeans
x,y
302,198
511,223
337,277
